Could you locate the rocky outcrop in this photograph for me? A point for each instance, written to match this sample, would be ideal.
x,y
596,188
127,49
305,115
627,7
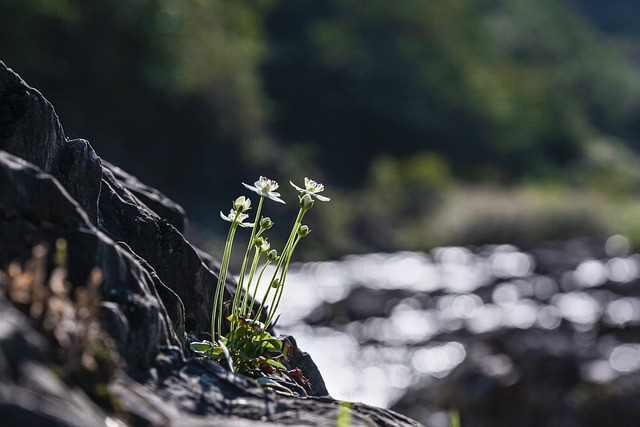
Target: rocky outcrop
x,y
155,289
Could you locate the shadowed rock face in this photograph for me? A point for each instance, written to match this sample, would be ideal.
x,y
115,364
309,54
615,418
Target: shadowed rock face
x,y
156,290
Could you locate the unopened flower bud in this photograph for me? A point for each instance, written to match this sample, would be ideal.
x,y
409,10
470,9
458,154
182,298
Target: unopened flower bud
x,y
275,284
272,255
306,201
303,230
266,223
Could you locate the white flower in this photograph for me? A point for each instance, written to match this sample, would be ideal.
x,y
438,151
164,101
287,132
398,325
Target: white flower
x,y
265,188
262,244
238,218
312,188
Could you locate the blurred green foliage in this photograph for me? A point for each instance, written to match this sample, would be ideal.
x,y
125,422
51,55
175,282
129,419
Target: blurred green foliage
x,y
499,88
166,89
395,105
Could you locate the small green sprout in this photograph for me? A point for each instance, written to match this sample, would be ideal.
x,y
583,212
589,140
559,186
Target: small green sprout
x,y
247,347
454,418
344,414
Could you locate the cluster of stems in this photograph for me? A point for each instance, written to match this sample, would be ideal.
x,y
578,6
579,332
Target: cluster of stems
x,y
242,308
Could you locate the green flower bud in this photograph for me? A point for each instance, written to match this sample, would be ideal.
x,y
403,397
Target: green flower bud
x,y
266,223
303,231
275,284
272,255
306,201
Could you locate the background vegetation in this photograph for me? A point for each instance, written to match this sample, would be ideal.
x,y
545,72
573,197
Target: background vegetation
x,y
457,122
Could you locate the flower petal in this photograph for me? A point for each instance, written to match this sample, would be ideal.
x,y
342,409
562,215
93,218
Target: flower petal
x,y
275,197
302,190
252,188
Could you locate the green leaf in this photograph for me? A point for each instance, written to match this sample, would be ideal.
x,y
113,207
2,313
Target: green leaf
x,y
262,336
201,347
227,355
273,344
247,356
216,351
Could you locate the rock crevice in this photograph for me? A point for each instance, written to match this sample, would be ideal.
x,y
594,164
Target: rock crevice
x,y
156,290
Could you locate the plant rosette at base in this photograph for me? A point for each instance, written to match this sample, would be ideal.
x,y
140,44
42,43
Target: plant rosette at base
x,y
248,348
245,349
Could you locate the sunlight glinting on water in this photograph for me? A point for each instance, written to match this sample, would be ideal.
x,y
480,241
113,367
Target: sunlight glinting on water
x,y
625,358
509,263
622,311
578,307
622,270
439,360
488,318
590,273
549,317
424,325
544,287
372,360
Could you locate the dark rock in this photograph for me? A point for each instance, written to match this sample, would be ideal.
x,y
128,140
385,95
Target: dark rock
x,y
152,238
156,290
301,360
36,209
152,198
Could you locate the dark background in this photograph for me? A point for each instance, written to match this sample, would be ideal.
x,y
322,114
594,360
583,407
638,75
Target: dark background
x,y
430,123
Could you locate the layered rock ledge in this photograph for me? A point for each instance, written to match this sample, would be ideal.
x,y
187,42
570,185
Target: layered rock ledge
x,y
135,276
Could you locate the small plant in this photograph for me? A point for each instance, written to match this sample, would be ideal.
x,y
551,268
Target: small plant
x,y
83,355
344,414
247,346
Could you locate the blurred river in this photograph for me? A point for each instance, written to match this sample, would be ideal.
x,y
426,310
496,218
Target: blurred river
x,y
378,325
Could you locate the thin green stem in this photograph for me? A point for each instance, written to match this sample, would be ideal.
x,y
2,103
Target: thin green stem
x,y
283,277
236,297
255,292
216,311
254,265
223,281
282,257
286,254
219,287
